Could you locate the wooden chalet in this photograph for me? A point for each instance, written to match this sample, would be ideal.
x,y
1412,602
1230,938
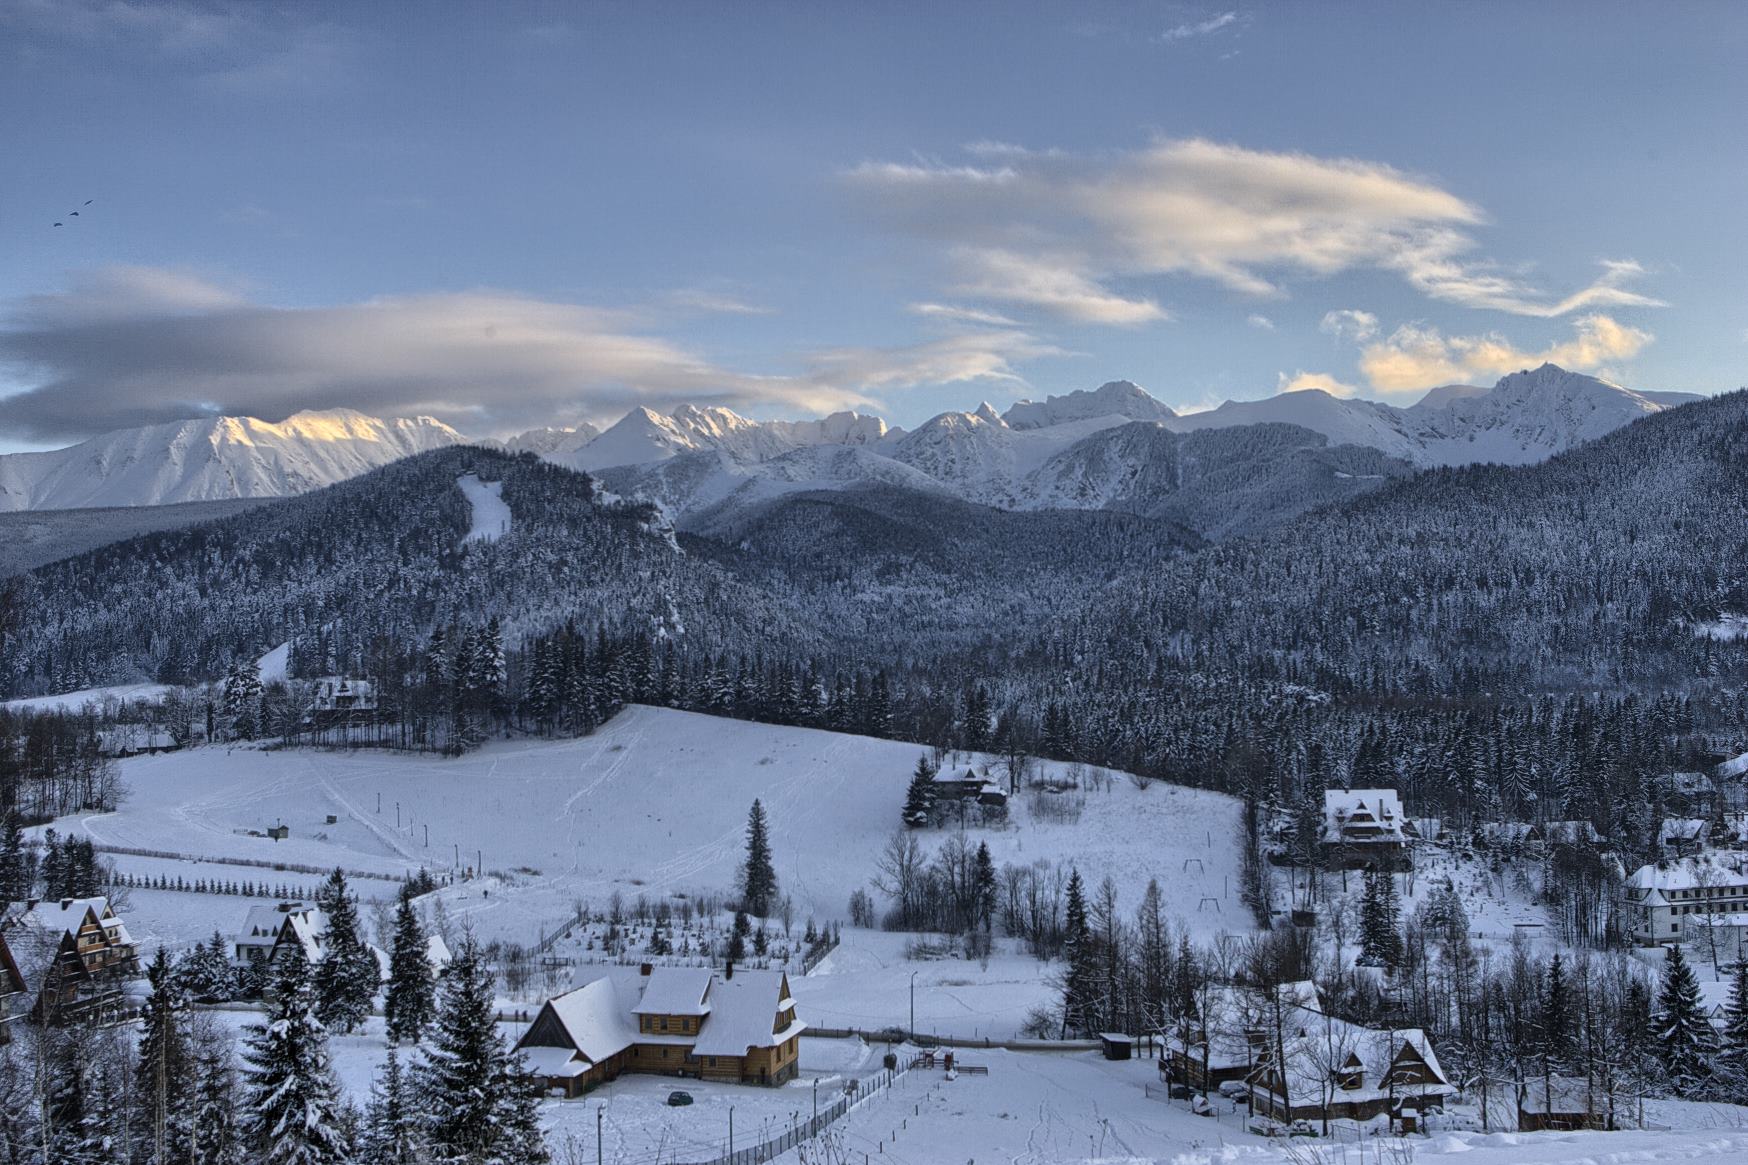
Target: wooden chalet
x,y
738,1027
1230,1035
91,969
1365,829
1331,1069
14,991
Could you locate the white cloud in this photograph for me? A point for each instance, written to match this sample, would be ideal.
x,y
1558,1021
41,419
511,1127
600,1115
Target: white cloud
x,y
1416,356
954,313
1260,321
699,299
132,346
1053,284
1349,324
1302,380
1192,29
1061,231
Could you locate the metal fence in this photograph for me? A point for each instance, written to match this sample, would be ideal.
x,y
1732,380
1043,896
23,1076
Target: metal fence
x,y
867,1089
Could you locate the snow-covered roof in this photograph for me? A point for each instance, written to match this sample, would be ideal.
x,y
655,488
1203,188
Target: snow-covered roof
x,y
553,1062
67,915
263,923
1682,829
436,953
1734,767
1319,1046
676,991
595,1019
1374,814
1690,873
743,1014
1233,1012
1570,832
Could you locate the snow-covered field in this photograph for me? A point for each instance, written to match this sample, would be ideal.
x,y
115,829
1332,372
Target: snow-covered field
x,y
653,805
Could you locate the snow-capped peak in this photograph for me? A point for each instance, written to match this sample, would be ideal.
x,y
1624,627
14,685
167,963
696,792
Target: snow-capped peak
x,y
1115,398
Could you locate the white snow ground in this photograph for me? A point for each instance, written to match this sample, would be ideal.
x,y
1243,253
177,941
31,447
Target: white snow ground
x,y
491,517
74,701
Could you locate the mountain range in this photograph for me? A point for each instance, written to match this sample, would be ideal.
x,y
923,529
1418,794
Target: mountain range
x,y
1233,469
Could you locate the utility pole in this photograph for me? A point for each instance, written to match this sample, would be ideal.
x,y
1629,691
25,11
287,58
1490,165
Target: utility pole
x,y
731,1130
599,1111
913,1005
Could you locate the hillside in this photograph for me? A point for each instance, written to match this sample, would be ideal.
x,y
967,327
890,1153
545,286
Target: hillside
x,y
33,538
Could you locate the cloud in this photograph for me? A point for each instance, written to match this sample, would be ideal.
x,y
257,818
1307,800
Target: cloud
x,y
971,356
1302,380
1193,29
1349,324
953,313
1062,231
131,346
1415,356
1261,322
1053,284
698,299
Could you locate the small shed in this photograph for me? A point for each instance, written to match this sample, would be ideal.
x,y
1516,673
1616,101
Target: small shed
x,y
1117,1046
279,832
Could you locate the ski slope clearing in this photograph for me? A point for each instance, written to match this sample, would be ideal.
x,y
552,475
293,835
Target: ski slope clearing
x,y
98,697
491,517
654,803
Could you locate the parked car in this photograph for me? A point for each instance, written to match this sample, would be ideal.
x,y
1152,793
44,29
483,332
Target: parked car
x,y
678,1099
1236,1090
1178,1091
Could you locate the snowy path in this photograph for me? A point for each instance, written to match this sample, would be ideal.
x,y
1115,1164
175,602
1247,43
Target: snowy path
x,y
491,517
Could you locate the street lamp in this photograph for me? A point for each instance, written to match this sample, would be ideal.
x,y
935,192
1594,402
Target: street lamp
x,y
731,1130
913,1005
816,1099
600,1110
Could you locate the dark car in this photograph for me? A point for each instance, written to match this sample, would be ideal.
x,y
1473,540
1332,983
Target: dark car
x,y
679,1099
1179,1091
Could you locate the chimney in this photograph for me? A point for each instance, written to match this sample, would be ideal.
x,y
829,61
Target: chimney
x,y
645,969
66,902
728,971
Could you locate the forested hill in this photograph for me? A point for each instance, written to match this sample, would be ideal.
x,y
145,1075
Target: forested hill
x,y
1589,571
380,557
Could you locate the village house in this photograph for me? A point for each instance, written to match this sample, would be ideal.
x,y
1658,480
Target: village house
x,y
736,1026
1681,837
14,991
1564,1104
1365,828
269,931
83,959
1686,899
1690,794
1230,1034
1335,1070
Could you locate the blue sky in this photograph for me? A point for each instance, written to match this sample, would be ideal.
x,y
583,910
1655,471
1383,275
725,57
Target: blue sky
x,y
511,215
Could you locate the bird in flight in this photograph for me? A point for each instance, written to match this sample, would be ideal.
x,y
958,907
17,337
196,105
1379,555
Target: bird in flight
x,y
74,213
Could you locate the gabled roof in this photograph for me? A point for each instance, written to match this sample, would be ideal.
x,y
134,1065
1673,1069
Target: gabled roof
x,y
1707,869
743,1014
68,915
1318,1045
1380,808
594,1018
676,991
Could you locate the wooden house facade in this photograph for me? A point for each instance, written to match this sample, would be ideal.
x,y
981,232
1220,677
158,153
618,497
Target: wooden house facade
x,y
738,1027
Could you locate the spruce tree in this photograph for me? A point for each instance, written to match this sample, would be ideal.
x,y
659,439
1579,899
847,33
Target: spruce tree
x,y
758,876
390,1133
475,1097
206,972
1736,1026
411,1001
213,1137
347,977
1077,978
292,1112
162,1109
1681,1036
984,875
919,798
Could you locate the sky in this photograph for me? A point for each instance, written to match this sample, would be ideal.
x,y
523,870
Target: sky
x,y
515,215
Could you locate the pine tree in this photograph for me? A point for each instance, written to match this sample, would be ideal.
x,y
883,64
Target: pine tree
x,y
206,972
411,1002
1380,924
984,875
1077,978
1556,1019
292,1113
1736,1025
919,798
162,1101
213,1138
347,977
478,1108
1681,1036
758,883
390,1133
